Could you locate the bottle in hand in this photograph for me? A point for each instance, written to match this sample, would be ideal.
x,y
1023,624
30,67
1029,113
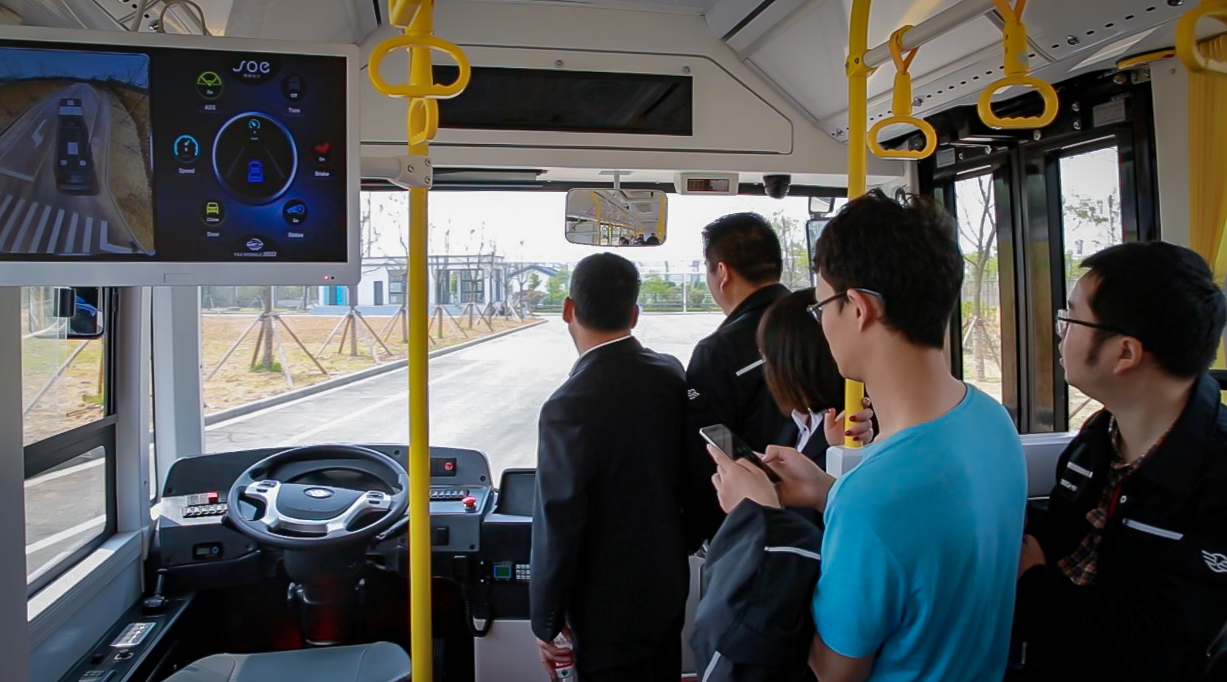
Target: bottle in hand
x,y
564,669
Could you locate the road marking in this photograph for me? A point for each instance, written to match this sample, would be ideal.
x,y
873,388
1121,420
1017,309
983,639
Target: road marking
x,y
54,245
5,206
38,133
71,246
63,535
38,234
8,225
76,468
402,396
88,245
106,242
15,247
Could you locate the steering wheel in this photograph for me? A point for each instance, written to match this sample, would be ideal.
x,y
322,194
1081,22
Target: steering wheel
x,y
317,517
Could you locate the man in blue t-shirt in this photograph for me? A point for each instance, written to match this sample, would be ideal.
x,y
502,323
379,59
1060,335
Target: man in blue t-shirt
x,y
922,539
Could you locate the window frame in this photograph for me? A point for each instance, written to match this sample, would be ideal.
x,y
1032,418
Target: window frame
x,y
48,453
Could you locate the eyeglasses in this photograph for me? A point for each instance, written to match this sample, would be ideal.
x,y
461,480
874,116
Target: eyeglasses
x,y
1064,320
815,309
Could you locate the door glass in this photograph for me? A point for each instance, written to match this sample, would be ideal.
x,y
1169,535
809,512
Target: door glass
x,y
981,300
1091,221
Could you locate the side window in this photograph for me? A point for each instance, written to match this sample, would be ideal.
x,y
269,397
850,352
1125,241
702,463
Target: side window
x,y
67,427
1091,221
980,312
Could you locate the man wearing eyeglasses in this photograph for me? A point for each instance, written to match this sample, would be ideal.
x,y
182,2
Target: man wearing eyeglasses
x,y
1124,575
918,557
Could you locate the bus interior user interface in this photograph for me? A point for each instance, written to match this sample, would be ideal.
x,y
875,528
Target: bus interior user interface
x,y
237,156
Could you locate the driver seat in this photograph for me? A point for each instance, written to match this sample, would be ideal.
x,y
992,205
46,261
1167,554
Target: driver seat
x,y
378,662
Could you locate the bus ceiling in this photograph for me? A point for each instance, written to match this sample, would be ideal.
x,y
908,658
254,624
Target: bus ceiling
x,y
763,80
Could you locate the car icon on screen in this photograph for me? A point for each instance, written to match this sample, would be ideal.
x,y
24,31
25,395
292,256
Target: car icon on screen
x,y
296,209
255,171
254,244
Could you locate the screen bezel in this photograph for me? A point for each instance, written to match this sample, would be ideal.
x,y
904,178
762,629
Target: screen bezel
x,y
136,273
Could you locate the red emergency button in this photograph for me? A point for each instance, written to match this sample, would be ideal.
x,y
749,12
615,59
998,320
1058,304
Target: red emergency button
x,y
212,497
449,466
470,503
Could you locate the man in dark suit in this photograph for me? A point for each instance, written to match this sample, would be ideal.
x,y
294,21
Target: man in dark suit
x,y
608,556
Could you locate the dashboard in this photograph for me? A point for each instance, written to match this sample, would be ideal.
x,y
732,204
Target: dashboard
x,y
473,538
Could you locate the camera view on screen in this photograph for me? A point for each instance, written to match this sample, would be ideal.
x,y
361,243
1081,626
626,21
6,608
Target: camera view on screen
x,y
75,166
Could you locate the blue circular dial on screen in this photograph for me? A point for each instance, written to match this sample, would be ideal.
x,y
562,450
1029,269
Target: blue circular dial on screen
x,y
255,158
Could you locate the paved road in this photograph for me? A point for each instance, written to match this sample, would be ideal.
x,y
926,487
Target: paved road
x,y
486,397
35,215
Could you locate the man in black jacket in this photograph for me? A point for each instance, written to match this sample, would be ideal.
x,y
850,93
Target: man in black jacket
x,y
1124,576
725,377
607,552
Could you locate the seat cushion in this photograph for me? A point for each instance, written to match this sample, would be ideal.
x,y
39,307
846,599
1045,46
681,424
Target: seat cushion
x,y
378,662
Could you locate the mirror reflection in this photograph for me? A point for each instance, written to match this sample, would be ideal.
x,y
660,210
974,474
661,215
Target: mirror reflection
x,y
616,217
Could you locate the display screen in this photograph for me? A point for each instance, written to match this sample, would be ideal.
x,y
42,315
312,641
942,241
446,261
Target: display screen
x,y
170,155
707,185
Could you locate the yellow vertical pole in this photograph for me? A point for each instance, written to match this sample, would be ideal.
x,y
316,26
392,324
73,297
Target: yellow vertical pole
x,y
858,95
419,392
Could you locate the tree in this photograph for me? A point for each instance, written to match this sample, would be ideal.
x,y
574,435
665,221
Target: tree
x,y
1091,225
794,248
556,286
978,236
654,289
534,280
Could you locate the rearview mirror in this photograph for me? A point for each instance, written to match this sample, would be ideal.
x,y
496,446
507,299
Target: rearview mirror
x,y
616,217
821,205
65,312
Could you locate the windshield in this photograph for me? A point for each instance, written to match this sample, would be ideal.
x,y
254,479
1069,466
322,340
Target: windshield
x,y
499,268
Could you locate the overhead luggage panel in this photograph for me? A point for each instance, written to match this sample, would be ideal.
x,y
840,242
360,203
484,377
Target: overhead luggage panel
x,y
739,123
799,47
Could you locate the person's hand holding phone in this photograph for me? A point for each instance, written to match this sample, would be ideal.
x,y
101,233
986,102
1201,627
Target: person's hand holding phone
x,y
737,480
802,482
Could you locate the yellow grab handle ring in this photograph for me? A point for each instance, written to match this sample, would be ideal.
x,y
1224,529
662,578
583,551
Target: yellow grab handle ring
x,y
424,119
922,125
431,91
991,119
1186,39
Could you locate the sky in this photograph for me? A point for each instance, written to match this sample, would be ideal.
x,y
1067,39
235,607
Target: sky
x,y
26,63
529,226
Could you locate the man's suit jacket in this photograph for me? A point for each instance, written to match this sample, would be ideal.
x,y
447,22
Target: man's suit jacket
x,y
607,534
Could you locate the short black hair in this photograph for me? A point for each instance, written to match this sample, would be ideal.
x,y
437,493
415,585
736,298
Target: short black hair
x,y
905,250
1165,296
747,243
605,288
800,371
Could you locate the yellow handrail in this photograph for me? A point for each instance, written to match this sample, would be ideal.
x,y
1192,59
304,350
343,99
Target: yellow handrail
x,y
416,17
1017,72
901,107
858,110
1186,38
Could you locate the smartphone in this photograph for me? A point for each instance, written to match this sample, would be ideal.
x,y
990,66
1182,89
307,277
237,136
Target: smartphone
x,y
720,436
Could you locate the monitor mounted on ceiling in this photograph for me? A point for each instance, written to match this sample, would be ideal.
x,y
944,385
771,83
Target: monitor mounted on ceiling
x,y
145,159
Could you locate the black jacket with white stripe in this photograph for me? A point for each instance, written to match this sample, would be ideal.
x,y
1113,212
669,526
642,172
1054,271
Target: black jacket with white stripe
x,y
1160,594
753,623
726,386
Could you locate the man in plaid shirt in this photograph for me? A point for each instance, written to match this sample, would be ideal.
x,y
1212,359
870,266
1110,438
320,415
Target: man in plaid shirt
x,y
1124,575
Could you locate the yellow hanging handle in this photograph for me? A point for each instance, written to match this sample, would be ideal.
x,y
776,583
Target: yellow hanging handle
x,y
902,107
1186,37
430,90
423,120
1017,72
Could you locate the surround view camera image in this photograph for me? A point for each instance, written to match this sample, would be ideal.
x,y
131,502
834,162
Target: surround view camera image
x,y
75,165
